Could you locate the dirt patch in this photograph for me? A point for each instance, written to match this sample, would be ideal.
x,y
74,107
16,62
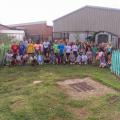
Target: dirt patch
x,y
79,113
37,82
83,88
18,104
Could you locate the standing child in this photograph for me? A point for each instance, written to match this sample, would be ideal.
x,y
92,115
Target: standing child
x,y
75,50
52,58
37,47
94,52
30,48
89,55
102,59
67,50
21,48
61,48
14,48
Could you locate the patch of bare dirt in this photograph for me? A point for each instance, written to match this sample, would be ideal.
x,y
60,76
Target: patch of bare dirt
x,y
18,104
84,88
79,113
37,82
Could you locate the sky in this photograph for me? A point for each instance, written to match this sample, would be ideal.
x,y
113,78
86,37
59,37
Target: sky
x,y
24,11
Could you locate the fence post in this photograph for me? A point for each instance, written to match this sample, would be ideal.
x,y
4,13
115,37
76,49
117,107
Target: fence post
x,y
115,62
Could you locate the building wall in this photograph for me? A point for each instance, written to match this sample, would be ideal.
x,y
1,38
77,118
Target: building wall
x,y
15,34
43,30
90,19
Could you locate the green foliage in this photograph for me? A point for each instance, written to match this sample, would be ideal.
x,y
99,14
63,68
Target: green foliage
x,y
4,38
78,103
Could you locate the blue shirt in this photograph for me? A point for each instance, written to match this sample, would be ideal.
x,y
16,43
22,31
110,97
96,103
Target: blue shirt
x,y
61,48
21,49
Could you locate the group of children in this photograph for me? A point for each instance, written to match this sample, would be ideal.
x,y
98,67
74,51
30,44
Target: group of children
x,y
58,52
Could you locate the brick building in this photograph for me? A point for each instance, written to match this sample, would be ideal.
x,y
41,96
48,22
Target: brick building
x,y
36,30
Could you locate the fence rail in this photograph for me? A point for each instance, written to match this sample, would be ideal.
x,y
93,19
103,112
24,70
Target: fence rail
x,y
115,62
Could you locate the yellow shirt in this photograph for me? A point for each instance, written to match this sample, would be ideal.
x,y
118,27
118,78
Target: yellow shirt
x,y
30,48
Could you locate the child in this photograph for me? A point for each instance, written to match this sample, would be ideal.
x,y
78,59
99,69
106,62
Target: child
x,y
58,58
34,61
18,59
89,55
84,58
102,59
30,48
109,61
67,50
72,58
64,59
52,58
8,57
79,59
75,49
37,47
21,48
47,58
39,59
24,59
94,53
30,59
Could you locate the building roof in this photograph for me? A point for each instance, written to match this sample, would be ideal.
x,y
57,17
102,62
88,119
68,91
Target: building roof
x,y
29,23
90,18
4,27
89,6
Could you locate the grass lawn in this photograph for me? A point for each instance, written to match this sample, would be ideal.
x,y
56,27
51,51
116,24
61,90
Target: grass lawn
x,y
20,99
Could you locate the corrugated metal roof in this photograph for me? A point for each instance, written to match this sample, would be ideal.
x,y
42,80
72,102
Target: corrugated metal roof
x,y
89,6
90,18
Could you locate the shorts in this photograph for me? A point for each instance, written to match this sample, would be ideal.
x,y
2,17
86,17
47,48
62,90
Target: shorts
x,y
75,53
46,61
67,55
46,50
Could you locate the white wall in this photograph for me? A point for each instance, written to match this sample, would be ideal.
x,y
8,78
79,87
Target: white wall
x,y
15,34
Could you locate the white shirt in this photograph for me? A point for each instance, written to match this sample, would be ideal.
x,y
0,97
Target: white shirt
x,y
74,48
84,58
68,49
9,56
18,58
46,44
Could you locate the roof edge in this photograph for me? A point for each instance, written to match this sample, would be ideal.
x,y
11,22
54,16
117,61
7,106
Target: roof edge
x,y
29,23
70,13
5,26
89,6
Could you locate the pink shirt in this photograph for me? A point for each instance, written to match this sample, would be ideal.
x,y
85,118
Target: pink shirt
x,y
37,46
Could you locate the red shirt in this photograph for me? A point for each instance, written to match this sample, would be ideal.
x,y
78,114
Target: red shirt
x,y
14,48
